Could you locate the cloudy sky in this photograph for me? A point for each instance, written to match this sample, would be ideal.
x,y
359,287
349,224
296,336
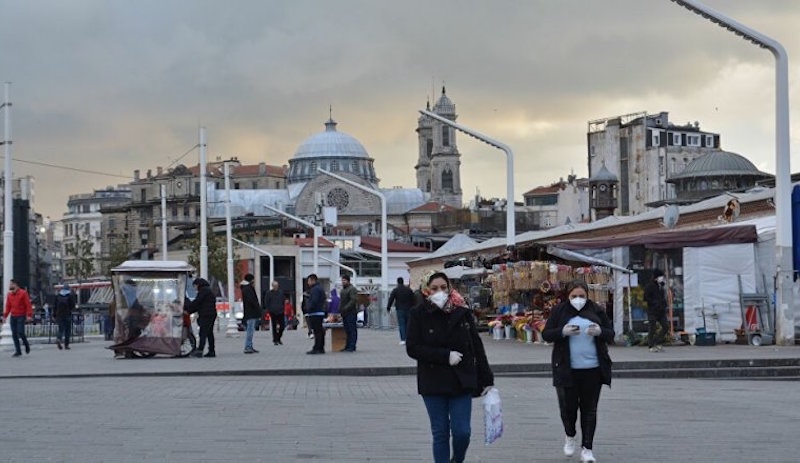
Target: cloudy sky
x,y
113,86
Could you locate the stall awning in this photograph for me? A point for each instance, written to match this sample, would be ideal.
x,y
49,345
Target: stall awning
x,y
667,240
578,257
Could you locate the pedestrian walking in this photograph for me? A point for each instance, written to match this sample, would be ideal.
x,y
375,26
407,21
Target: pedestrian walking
x,y
205,306
349,311
580,332
451,366
252,311
315,312
18,307
403,298
273,301
304,310
64,306
288,314
656,298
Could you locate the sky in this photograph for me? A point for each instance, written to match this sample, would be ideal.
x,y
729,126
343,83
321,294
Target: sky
x,y
114,86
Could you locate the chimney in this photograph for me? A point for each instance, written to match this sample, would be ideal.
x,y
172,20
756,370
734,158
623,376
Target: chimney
x,y
262,168
136,175
149,173
159,171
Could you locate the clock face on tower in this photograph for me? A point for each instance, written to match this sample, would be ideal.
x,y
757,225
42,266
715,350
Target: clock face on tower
x,y
603,187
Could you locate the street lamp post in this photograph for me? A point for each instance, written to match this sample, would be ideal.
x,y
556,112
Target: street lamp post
x,y
784,301
267,253
8,229
317,232
231,330
510,225
203,207
341,265
384,230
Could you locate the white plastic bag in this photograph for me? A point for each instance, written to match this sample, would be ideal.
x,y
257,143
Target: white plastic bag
x,y
492,416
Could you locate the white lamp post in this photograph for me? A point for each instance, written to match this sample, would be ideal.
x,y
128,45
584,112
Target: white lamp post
x,y
510,225
784,303
203,207
384,230
231,329
8,230
163,222
340,265
267,253
317,232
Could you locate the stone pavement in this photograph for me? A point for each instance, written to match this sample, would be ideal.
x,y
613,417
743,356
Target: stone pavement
x,y
357,419
378,354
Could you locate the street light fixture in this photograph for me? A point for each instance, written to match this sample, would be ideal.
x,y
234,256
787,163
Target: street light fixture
x,y
784,302
510,225
232,329
317,232
266,253
384,230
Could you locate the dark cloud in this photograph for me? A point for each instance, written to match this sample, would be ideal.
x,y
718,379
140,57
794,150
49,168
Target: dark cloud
x,y
118,86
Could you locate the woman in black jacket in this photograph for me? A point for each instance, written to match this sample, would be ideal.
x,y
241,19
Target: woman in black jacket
x,y
205,305
451,365
580,332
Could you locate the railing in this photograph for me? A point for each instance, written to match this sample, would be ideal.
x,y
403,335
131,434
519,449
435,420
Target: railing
x,y
82,325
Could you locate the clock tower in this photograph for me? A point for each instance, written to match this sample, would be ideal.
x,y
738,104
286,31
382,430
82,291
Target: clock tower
x,y
603,187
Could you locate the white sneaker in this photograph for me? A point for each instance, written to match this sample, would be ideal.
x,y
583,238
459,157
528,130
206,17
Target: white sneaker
x,y
653,349
402,343
570,444
660,347
587,455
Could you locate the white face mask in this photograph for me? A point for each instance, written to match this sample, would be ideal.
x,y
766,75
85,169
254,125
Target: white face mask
x,y
439,298
660,279
578,302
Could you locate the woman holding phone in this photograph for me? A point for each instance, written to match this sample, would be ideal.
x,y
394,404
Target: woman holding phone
x,y
580,332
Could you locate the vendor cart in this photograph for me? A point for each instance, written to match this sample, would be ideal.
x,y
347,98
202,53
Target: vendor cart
x,y
149,317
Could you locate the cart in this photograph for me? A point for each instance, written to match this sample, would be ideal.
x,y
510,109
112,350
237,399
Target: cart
x,y
757,317
149,317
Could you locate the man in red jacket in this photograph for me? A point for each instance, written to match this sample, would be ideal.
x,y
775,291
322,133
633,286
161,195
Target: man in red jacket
x,y
18,305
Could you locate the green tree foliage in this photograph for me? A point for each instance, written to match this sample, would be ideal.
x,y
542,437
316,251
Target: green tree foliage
x,y
80,258
217,256
120,252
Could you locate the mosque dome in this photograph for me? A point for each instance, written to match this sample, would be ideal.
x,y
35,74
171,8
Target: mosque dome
x,y
330,150
719,163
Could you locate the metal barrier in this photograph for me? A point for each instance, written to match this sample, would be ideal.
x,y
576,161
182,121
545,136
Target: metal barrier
x,y
49,329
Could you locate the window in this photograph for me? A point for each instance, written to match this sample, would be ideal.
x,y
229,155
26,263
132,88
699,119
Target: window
x,y
144,195
174,212
693,140
254,186
591,151
277,184
445,135
354,167
236,186
710,141
676,139
313,168
656,140
334,165
447,180
429,147
197,188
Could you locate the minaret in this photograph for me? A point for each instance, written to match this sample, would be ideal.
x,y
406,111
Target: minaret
x,y
445,160
425,137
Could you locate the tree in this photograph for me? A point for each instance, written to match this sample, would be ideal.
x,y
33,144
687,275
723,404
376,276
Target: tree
x,y
120,252
80,258
217,256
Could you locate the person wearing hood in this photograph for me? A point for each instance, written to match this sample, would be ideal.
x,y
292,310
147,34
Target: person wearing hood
x,y
205,306
655,295
252,311
580,332
64,306
452,367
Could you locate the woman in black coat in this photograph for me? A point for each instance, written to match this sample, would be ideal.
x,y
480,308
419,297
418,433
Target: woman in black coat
x,y
580,332
451,365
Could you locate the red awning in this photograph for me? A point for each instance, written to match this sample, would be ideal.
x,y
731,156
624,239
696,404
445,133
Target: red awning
x,y
666,240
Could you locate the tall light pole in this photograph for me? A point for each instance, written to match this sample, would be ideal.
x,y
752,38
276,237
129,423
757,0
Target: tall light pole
x,y
231,330
510,225
784,301
163,222
384,231
203,207
342,266
8,230
317,232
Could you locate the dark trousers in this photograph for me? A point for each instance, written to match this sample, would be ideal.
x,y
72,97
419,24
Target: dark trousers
x,y
315,325
350,330
449,415
64,330
652,319
402,322
584,395
18,332
206,333
278,325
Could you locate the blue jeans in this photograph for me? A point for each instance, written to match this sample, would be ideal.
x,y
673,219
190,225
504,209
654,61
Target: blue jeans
x,y
350,330
250,329
17,332
402,322
64,330
449,414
